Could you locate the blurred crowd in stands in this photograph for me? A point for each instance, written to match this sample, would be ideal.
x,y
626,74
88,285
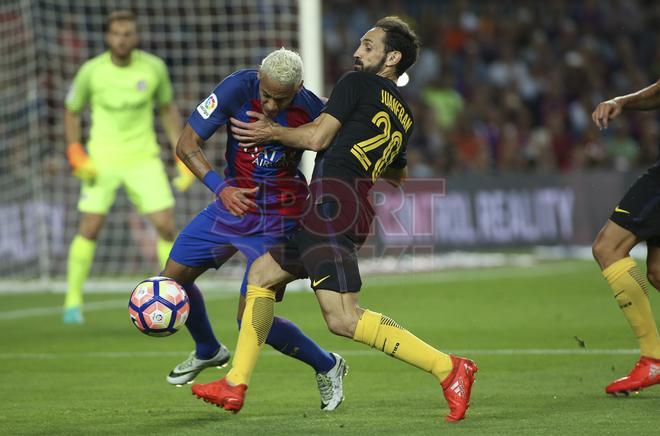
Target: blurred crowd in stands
x,y
504,85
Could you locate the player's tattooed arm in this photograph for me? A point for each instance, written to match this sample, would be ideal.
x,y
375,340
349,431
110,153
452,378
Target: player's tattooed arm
x,y
189,150
315,136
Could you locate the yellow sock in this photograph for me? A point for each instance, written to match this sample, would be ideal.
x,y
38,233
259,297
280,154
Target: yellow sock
x,y
163,249
81,256
629,288
257,321
380,332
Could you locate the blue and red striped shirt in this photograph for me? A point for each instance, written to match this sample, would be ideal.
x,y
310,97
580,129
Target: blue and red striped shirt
x,y
272,167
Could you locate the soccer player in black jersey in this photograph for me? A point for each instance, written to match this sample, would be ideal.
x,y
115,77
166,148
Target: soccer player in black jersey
x,y
636,218
360,136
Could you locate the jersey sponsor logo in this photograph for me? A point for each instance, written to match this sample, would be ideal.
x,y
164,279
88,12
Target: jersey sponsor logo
x,y
319,281
618,209
141,85
274,158
206,108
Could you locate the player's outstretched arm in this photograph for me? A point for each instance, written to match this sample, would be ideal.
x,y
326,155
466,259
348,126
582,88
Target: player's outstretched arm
x,y
642,100
315,136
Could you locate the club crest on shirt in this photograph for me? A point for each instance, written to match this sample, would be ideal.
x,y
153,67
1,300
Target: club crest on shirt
x,y
141,85
206,108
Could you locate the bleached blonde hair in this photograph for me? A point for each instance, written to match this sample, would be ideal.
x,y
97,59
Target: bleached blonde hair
x,y
283,66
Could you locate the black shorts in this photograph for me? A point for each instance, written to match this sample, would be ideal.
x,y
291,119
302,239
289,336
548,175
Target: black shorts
x,y
328,258
639,209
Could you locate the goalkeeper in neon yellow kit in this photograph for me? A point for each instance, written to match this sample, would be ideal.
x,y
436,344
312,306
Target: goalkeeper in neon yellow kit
x,y
121,86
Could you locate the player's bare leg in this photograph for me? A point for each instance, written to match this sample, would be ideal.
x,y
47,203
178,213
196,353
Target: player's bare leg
x,y
265,277
229,392
287,338
345,317
164,223
612,244
182,273
611,250
81,257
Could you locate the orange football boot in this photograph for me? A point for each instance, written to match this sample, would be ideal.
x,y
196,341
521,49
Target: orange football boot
x,y
457,387
222,394
645,373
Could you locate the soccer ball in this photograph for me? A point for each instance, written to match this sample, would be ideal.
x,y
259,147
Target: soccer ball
x,y
158,306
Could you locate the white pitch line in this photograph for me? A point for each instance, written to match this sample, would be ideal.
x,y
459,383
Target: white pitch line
x,y
365,353
370,283
89,307
45,311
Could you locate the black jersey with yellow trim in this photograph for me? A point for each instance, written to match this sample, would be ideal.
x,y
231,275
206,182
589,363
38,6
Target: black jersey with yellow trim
x,y
376,124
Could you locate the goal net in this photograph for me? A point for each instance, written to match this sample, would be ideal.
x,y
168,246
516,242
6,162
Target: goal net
x,y
42,45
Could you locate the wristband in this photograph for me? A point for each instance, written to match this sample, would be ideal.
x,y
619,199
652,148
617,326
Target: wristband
x,y
213,181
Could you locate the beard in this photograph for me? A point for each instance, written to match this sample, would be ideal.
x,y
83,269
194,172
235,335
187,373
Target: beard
x,y
374,69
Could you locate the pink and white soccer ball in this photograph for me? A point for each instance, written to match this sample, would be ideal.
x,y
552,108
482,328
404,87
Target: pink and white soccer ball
x,y
158,306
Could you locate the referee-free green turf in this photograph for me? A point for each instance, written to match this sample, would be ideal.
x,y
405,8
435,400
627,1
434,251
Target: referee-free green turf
x,y
523,326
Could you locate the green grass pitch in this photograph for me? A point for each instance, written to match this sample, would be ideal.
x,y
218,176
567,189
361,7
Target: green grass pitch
x,y
519,324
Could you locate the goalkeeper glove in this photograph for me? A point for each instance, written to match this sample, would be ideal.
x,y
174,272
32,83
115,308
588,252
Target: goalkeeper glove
x,y
82,165
185,179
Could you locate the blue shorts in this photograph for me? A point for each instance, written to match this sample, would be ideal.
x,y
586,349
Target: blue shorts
x,y
215,235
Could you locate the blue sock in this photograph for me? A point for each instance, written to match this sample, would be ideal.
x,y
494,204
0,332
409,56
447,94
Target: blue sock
x,y
206,345
288,339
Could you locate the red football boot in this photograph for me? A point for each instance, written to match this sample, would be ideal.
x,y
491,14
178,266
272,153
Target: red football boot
x,y
645,373
222,394
457,387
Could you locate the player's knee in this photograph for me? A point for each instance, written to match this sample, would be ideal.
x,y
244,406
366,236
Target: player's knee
x,y
260,275
90,225
341,325
335,325
597,249
174,275
256,275
89,235
603,252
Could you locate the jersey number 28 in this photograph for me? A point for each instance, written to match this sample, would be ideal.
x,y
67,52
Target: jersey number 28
x,y
393,139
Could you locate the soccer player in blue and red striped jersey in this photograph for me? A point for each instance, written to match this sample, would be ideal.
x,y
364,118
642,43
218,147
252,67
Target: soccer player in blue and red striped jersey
x,y
259,202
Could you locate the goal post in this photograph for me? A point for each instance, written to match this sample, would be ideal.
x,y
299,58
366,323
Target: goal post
x,y
42,45
311,50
